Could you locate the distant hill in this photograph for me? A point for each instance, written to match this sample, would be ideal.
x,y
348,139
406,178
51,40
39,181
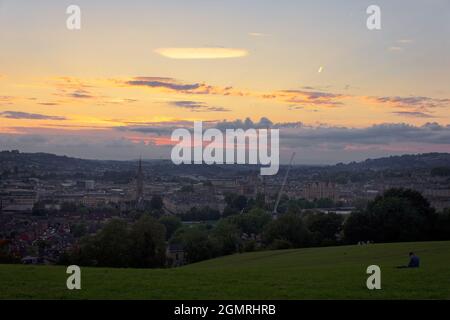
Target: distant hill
x,y
48,161
408,161
51,162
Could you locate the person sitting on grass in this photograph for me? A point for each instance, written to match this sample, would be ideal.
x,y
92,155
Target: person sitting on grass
x,y
414,261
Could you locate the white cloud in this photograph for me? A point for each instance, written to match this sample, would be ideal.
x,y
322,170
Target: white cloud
x,y
202,53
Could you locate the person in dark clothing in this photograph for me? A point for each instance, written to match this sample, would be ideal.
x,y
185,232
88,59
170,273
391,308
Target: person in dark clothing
x,y
414,261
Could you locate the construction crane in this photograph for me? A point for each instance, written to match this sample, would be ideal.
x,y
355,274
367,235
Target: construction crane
x,y
274,212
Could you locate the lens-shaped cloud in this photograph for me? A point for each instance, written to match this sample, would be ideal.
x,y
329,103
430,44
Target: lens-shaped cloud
x,y
201,53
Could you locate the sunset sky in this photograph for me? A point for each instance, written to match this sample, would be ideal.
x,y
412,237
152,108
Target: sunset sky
x,y
139,69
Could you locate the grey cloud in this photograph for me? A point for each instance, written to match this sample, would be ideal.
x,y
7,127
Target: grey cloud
x,y
167,128
414,114
244,124
314,144
81,94
286,125
218,109
158,82
155,128
49,103
420,102
314,97
316,94
30,116
197,106
146,129
297,134
382,134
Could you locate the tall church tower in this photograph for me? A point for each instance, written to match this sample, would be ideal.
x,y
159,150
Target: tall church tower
x,y
139,184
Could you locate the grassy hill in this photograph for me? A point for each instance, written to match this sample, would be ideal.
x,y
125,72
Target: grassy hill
x,y
312,273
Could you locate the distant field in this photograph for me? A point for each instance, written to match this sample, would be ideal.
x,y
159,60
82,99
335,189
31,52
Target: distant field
x,y
313,273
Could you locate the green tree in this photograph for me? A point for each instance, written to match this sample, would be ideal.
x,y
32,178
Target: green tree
x,y
252,222
196,243
172,223
441,230
227,237
358,227
324,227
147,243
119,245
397,215
288,228
110,247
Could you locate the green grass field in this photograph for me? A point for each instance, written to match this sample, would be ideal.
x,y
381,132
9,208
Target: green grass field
x,y
313,273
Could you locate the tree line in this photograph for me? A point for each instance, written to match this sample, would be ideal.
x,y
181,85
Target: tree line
x,y
395,216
